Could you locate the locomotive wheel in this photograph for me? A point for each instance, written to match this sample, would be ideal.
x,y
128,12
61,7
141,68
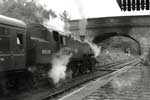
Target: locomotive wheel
x,y
39,74
69,74
77,70
26,79
73,67
14,82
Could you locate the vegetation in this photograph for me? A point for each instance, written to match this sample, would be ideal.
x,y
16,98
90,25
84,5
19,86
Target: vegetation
x,y
27,10
121,43
65,17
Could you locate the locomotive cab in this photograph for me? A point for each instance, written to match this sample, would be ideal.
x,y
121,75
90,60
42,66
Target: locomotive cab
x,y
12,44
42,43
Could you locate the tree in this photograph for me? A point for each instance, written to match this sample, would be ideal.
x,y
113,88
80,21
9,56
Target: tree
x,y
65,17
27,10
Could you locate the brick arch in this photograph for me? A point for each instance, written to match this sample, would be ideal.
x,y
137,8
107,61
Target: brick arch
x,y
105,36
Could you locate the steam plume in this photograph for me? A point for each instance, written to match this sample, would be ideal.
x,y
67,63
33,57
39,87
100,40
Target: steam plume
x,y
59,63
82,26
82,29
95,48
83,21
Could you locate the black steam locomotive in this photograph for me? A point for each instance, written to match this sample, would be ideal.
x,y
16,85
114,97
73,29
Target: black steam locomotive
x,y
24,47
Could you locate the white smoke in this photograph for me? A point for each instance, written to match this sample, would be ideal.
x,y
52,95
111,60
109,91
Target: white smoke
x,y
57,24
59,65
95,48
82,26
82,29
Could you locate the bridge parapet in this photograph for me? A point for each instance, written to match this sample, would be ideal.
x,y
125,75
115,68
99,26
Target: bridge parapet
x,y
136,28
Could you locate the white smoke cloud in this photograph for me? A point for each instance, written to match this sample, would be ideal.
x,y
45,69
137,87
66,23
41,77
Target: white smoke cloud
x,y
82,26
56,24
82,29
95,48
59,65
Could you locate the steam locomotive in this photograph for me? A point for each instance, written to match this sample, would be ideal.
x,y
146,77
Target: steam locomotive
x,y
25,48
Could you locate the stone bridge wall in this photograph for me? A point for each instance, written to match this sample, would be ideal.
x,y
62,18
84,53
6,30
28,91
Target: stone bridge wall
x,y
138,27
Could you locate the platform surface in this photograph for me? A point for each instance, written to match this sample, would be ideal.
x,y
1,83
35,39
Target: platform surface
x,y
92,86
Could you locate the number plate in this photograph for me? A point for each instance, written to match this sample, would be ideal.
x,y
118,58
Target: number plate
x,y
46,51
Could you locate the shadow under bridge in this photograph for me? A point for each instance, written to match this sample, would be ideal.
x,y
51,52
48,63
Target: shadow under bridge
x,y
100,38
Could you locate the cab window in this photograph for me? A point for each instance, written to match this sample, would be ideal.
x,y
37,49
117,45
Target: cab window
x,y
20,40
2,30
4,44
62,40
4,40
56,36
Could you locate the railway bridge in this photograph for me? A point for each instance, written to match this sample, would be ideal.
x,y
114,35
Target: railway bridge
x,y
136,28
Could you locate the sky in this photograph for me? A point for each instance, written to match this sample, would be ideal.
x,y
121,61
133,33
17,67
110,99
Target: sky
x,y
82,9
88,8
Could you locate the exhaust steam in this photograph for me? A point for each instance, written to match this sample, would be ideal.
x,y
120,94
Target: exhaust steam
x,y
95,48
82,30
59,64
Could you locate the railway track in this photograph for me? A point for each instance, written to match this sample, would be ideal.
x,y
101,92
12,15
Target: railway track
x,y
77,82
116,65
